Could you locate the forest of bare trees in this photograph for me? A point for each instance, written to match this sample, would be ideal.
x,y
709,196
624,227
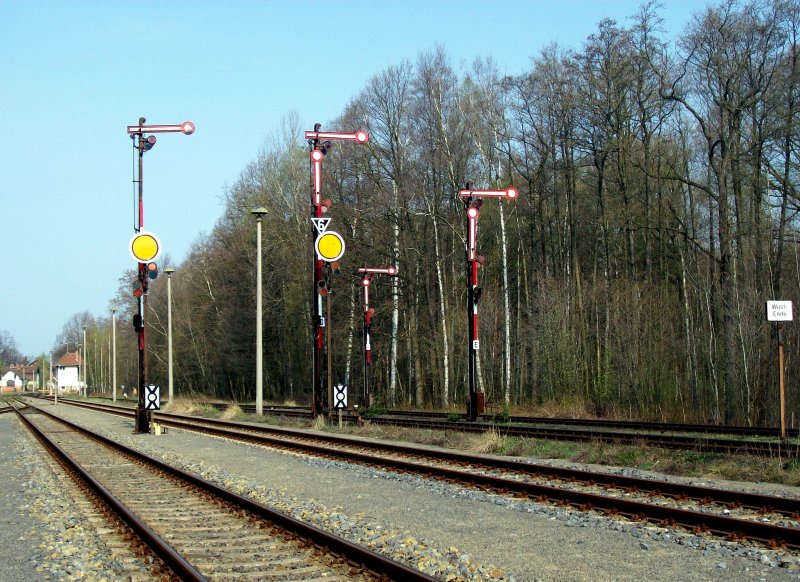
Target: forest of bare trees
x,y
658,212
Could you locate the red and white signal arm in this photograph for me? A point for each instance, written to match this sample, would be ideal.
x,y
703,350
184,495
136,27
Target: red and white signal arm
x,y
779,311
391,271
358,136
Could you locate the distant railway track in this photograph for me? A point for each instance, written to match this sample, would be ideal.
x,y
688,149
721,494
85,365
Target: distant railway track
x,y
630,425
710,443
707,438
200,530
408,416
767,520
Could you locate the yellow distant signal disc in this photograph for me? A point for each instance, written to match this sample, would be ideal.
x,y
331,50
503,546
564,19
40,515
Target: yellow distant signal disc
x,y
330,246
144,246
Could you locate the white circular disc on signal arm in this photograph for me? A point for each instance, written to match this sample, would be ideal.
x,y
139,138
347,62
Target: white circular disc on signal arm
x,y
329,246
144,246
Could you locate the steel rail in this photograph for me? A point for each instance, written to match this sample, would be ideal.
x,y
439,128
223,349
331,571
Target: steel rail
x,y
764,431
177,563
761,431
525,427
787,506
371,560
672,441
766,533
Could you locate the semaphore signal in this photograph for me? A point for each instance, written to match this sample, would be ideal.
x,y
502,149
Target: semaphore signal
x,y
473,200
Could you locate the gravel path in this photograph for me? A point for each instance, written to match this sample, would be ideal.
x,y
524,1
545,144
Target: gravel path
x,y
17,526
488,537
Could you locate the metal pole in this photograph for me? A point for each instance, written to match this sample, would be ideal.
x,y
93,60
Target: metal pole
x,y
114,354
55,387
781,381
365,283
142,423
473,408
84,362
317,322
169,272
473,404
259,325
328,348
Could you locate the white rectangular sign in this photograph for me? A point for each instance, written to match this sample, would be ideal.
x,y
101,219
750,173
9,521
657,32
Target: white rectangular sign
x,y
152,397
340,396
779,311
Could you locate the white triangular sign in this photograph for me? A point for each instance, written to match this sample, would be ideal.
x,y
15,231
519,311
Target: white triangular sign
x,y
321,224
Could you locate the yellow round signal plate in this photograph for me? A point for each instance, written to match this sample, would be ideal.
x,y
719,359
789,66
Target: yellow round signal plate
x,y
329,246
144,247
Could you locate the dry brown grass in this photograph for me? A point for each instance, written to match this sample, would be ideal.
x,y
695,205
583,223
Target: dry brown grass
x,y
319,423
187,405
489,442
233,411
557,409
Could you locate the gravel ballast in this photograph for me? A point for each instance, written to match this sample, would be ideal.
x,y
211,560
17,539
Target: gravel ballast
x,y
455,532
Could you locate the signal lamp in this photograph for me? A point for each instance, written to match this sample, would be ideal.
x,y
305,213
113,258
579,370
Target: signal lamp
x,y
480,259
149,142
337,268
137,292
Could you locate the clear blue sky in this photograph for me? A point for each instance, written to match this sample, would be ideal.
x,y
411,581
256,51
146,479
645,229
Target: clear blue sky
x,y
76,73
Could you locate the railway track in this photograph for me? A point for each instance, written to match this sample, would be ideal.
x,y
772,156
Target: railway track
x,y
767,520
630,425
762,441
199,530
660,427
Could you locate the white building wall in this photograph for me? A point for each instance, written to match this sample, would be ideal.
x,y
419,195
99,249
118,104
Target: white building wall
x,y
67,377
8,376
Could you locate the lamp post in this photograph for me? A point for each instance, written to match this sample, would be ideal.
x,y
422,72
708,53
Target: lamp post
x,y
53,386
80,367
84,361
113,354
169,271
259,213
